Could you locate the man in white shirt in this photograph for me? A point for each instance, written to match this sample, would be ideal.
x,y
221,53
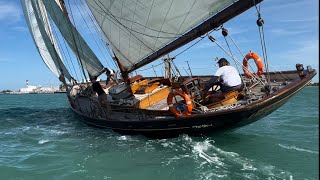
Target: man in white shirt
x,y
227,77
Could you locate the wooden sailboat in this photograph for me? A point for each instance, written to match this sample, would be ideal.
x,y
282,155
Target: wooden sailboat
x,y
140,32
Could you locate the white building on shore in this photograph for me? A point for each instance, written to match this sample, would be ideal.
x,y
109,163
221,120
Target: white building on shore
x,y
28,88
37,89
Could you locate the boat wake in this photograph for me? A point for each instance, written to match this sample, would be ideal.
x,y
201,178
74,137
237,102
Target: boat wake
x,y
214,162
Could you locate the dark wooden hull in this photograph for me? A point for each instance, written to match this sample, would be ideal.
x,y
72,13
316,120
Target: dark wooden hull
x,y
207,122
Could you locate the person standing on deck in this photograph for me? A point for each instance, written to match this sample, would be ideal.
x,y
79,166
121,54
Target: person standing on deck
x,y
110,76
102,96
227,77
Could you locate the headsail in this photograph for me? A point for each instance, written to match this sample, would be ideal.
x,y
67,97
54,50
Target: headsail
x,y
88,59
141,30
37,21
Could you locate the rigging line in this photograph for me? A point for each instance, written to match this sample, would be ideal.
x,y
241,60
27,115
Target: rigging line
x,y
236,60
163,70
242,79
80,47
78,54
97,28
256,76
74,39
154,71
92,33
54,31
144,26
127,32
201,38
134,13
147,22
55,34
150,67
194,2
284,76
59,43
186,72
77,50
138,32
175,66
257,8
45,23
123,25
164,20
67,49
262,41
266,55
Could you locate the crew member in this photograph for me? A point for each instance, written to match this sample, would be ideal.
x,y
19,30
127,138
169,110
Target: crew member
x,y
227,77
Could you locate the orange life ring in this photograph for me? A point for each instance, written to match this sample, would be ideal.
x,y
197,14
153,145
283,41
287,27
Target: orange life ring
x,y
258,62
173,109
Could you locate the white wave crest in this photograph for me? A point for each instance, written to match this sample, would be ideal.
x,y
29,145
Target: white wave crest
x,y
298,149
201,147
123,138
42,141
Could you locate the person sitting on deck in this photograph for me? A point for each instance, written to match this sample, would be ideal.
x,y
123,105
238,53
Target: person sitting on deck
x,y
102,96
227,77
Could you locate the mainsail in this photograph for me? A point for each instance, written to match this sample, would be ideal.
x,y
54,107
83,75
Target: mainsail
x,y
37,21
140,31
88,59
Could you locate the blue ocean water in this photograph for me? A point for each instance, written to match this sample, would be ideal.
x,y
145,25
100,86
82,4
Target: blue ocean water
x,y
41,138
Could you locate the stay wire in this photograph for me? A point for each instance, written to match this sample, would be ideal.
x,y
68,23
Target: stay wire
x,y
242,79
54,34
77,49
235,59
244,57
98,29
94,38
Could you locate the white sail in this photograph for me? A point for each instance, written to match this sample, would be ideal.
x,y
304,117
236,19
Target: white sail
x,y
41,31
138,28
87,58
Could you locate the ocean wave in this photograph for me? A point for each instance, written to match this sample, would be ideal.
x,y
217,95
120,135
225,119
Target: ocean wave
x,y
42,141
292,147
215,162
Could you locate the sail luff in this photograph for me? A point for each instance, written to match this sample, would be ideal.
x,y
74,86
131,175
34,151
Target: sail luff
x,y
45,43
87,57
213,22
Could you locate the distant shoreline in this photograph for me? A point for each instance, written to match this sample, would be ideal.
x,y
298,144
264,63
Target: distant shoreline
x,y
18,93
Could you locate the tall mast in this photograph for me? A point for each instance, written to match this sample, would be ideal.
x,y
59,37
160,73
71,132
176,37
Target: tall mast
x,y
123,70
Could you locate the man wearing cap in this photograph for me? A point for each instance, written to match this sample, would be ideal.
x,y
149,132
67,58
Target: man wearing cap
x,y
227,77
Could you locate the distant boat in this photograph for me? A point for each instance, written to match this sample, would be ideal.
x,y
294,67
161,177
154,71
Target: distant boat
x,y
140,32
